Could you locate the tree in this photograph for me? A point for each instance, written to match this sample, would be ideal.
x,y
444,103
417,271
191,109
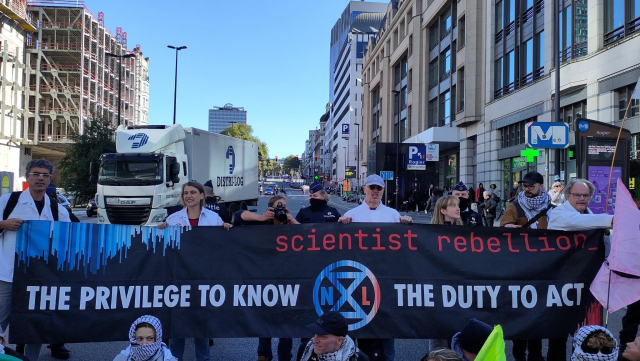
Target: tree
x,y
98,138
291,162
245,131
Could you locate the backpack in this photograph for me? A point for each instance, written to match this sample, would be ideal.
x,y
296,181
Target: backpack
x,y
13,201
537,216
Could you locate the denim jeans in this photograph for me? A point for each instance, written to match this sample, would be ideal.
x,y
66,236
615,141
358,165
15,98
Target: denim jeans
x,y
284,348
201,344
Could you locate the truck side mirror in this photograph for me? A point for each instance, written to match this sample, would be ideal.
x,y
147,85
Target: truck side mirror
x,y
93,171
175,169
175,172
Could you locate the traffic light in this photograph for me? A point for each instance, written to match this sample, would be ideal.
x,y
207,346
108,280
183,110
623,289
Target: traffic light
x,y
296,157
316,177
276,158
316,156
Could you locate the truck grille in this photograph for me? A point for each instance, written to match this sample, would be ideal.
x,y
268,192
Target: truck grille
x,y
128,215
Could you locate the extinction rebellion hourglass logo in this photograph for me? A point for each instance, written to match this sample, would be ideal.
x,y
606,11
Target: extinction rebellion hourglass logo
x,y
349,288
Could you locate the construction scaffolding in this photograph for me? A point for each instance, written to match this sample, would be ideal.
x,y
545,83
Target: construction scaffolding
x,y
69,78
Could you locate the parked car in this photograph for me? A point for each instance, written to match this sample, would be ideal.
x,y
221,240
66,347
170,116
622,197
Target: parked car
x,y
268,192
92,208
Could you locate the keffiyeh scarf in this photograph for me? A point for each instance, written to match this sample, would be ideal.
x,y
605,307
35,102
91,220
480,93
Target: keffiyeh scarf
x,y
150,351
581,336
535,205
346,351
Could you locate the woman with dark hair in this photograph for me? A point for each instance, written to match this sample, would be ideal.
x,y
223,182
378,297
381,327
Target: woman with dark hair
x,y
145,337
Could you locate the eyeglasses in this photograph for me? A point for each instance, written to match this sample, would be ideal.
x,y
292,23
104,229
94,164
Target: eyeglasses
x,y
375,188
605,350
40,175
580,196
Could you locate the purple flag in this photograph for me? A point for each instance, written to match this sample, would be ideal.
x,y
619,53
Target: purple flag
x,y
625,240
624,258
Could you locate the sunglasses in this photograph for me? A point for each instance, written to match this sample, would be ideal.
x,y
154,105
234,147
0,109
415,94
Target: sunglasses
x,y
375,188
594,350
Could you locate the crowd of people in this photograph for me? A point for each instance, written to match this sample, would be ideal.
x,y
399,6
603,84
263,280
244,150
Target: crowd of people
x,y
563,208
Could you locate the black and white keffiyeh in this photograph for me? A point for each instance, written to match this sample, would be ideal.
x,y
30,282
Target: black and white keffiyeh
x,y
581,336
344,353
535,205
150,351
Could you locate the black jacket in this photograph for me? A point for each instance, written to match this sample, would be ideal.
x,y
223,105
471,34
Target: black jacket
x,y
326,215
488,208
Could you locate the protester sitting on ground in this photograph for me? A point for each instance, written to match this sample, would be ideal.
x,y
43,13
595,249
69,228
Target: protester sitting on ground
x,y
447,211
442,354
632,350
8,354
145,336
193,214
594,343
574,214
468,342
331,341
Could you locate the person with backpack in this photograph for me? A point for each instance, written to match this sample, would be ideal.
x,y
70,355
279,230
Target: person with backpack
x,y
17,207
529,210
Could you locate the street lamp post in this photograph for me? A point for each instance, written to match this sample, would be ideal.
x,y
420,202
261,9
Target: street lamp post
x,y
358,156
175,86
397,94
120,57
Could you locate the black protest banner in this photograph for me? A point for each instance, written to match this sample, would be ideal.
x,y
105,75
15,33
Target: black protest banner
x,y
88,282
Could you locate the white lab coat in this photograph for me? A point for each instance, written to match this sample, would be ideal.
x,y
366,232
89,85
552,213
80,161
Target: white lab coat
x,y
26,210
566,218
207,218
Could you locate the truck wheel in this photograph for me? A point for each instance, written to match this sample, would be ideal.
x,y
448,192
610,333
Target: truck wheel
x,y
233,208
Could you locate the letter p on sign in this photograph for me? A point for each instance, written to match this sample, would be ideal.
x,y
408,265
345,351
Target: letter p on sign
x,y
412,151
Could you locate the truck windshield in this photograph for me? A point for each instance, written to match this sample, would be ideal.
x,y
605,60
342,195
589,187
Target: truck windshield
x,y
130,172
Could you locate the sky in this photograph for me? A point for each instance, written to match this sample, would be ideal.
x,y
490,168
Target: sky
x,y
270,57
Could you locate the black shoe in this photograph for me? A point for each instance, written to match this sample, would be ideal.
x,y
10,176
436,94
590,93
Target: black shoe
x,y
59,351
210,342
20,349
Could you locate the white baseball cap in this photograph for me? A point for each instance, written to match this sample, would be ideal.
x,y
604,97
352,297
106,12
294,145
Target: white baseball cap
x,y
374,179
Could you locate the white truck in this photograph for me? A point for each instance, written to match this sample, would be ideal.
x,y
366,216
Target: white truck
x,y
144,178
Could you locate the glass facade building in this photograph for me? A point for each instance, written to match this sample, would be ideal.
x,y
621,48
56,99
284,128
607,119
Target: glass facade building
x,y
222,117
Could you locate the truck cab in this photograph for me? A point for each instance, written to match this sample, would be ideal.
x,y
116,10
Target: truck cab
x,y
138,183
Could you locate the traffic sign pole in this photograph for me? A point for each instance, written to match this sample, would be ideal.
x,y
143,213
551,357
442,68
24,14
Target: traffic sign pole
x,y
385,193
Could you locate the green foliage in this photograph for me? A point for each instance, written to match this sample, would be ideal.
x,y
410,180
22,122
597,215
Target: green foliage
x,y
291,162
245,131
98,138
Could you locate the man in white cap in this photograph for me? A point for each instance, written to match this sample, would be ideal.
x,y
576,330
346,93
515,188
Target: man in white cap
x,y
370,211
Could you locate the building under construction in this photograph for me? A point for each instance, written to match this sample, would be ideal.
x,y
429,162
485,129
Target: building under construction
x,y
64,75
70,76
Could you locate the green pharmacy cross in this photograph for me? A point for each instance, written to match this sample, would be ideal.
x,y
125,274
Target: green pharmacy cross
x,y
529,153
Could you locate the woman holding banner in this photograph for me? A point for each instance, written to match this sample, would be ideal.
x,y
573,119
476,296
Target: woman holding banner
x,y
192,214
